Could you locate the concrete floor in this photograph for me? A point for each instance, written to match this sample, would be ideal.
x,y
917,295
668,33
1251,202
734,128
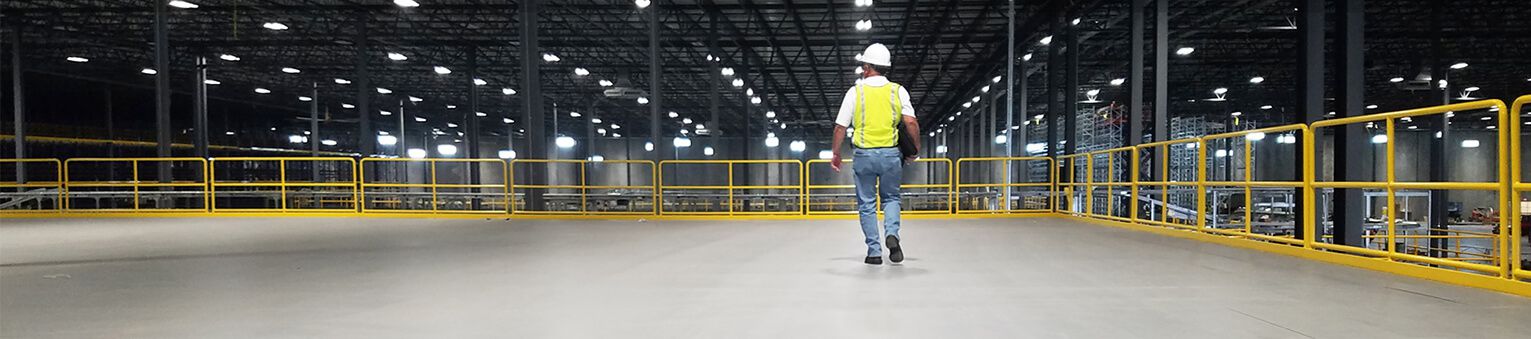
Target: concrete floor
x,y
965,278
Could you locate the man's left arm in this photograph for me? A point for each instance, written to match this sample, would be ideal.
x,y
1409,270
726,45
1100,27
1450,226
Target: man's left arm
x,y
909,118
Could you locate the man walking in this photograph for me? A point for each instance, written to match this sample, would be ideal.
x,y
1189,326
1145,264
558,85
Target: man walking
x,y
876,106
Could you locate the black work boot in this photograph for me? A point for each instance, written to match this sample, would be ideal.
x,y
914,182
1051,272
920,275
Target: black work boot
x,y
895,252
874,261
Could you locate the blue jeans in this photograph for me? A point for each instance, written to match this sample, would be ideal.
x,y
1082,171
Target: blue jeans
x,y
878,167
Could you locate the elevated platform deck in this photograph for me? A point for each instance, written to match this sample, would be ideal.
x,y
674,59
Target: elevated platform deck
x,y
454,278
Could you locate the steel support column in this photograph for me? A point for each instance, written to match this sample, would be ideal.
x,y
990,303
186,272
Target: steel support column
x,y
1310,93
1161,70
366,142
714,79
531,82
1071,92
199,107
1054,73
471,120
1439,199
656,95
1135,79
313,124
162,87
18,99
1010,138
1353,158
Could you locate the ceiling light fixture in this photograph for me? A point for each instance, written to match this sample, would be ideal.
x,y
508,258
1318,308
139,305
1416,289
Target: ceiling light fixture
x,y
508,91
77,59
581,71
1459,65
182,4
1184,51
443,70
381,90
342,81
1395,80
212,82
290,70
275,26
605,83
228,57
397,56
406,3
1257,80
1118,81
1047,40
149,71
480,82
262,90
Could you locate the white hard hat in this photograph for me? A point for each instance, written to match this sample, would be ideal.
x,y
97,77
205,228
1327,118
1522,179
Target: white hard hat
x,y
877,54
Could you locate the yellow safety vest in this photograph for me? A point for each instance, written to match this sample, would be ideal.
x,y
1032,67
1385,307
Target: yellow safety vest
x,y
876,116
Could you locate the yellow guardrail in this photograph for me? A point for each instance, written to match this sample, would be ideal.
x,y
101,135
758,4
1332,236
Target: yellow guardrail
x,y
734,205
1115,175
186,192
1517,233
1499,266
521,192
1249,185
995,185
1192,218
1078,168
31,187
457,196
829,199
288,192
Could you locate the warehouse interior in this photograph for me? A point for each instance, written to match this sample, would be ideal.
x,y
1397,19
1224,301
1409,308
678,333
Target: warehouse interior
x,y
579,168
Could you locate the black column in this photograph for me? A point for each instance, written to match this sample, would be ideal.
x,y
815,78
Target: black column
x,y
531,83
1353,149
1161,70
161,87
199,107
1135,78
366,139
714,79
1439,199
1071,93
1310,95
1054,86
656,96
471,120
18,98
313,124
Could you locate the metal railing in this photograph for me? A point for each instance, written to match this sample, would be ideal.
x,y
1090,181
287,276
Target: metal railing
x,y
417,186
102,185
554,198
1004,191
1265,217
31,185
253,185
1391,184
747,199
1161,207
920,195
1519,187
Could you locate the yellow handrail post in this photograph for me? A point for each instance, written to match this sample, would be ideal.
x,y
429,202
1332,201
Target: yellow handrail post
x,y
1132,201
282,174
1392,231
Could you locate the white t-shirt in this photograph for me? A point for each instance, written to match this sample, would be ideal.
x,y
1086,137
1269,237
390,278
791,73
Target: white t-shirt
x,y
848,105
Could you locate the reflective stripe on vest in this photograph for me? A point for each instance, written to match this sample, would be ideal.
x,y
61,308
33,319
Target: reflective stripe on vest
x,y
877,115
